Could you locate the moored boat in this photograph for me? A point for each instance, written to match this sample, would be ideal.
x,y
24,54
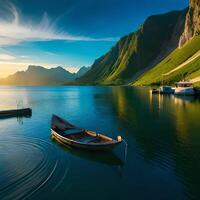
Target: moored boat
x,y
71,135
184,88
166,90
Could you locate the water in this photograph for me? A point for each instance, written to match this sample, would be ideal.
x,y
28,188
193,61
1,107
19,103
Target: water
x,y
163,155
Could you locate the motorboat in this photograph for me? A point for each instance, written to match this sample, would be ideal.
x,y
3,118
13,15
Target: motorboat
x,y
184,88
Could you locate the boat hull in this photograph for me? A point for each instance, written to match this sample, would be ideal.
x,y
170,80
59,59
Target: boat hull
x,y
91,147
166,90
184,91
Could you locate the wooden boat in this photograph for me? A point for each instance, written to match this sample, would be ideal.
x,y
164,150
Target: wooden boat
x,y
26,112
70,135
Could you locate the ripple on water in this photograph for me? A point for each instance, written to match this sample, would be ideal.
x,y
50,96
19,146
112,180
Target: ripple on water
x,y
28,165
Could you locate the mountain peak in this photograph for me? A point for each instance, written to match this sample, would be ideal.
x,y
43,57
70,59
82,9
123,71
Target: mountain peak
x,y
34,67
58,68
82,71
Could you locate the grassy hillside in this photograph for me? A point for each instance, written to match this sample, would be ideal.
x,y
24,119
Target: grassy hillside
x,y
155,39
197,84
157,75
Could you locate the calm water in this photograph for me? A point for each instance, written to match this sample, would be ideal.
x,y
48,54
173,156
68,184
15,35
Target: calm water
x,y
163,155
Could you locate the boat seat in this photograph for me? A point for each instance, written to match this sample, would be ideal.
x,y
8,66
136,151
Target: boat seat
x,y
72,131
86,139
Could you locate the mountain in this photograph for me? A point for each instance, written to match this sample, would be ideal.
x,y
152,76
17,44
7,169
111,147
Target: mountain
x,y
37,75
192,23
138,51
179,65
82,71
184,62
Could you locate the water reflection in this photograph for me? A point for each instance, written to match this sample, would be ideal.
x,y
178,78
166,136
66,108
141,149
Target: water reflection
x,y
163,145
108,158
19,119
165,127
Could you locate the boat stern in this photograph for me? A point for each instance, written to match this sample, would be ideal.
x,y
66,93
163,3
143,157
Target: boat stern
x,y
119,138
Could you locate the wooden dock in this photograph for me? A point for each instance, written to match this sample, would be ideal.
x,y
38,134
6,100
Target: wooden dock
x,y
24,112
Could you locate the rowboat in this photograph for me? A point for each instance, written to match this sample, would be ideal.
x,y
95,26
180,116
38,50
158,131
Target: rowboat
x,y
24,112
71,135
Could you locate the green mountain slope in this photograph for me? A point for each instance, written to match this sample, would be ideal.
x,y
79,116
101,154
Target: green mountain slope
x,y
138,51
161,72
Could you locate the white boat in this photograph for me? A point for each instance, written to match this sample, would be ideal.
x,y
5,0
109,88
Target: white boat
x,y
184,88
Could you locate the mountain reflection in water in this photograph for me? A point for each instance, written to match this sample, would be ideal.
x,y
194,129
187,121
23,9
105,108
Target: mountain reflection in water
x,y
162,132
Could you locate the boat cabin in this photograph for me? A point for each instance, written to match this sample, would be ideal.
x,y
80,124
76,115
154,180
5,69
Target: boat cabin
x,y
184,88
184,84
166,90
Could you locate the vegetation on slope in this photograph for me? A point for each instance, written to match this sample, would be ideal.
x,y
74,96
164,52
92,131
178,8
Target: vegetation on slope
x,y
157,75
197,84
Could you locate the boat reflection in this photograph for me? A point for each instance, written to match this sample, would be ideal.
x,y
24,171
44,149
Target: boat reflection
x,y
108,158
183,100
160,100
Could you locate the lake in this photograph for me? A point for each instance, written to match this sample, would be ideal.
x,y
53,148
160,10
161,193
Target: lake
x,y
162,132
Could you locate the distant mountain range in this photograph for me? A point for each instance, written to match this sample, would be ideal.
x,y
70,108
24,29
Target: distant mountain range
x,y
37,75
164,49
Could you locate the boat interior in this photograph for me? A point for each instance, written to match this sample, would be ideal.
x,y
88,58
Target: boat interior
x,y
81,135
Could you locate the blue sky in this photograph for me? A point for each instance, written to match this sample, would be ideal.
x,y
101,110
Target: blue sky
x,y
70,33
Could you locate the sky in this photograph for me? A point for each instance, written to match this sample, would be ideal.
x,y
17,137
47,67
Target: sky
x,y
68,33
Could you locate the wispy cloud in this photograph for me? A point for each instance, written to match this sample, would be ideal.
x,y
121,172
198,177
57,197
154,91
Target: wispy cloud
x,y
17,30
6,57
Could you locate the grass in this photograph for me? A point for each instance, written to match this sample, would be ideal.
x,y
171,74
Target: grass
x,y
188,72
195,74
197,84
180,55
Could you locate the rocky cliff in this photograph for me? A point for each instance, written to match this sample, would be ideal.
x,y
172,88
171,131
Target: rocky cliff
x,y
192,23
